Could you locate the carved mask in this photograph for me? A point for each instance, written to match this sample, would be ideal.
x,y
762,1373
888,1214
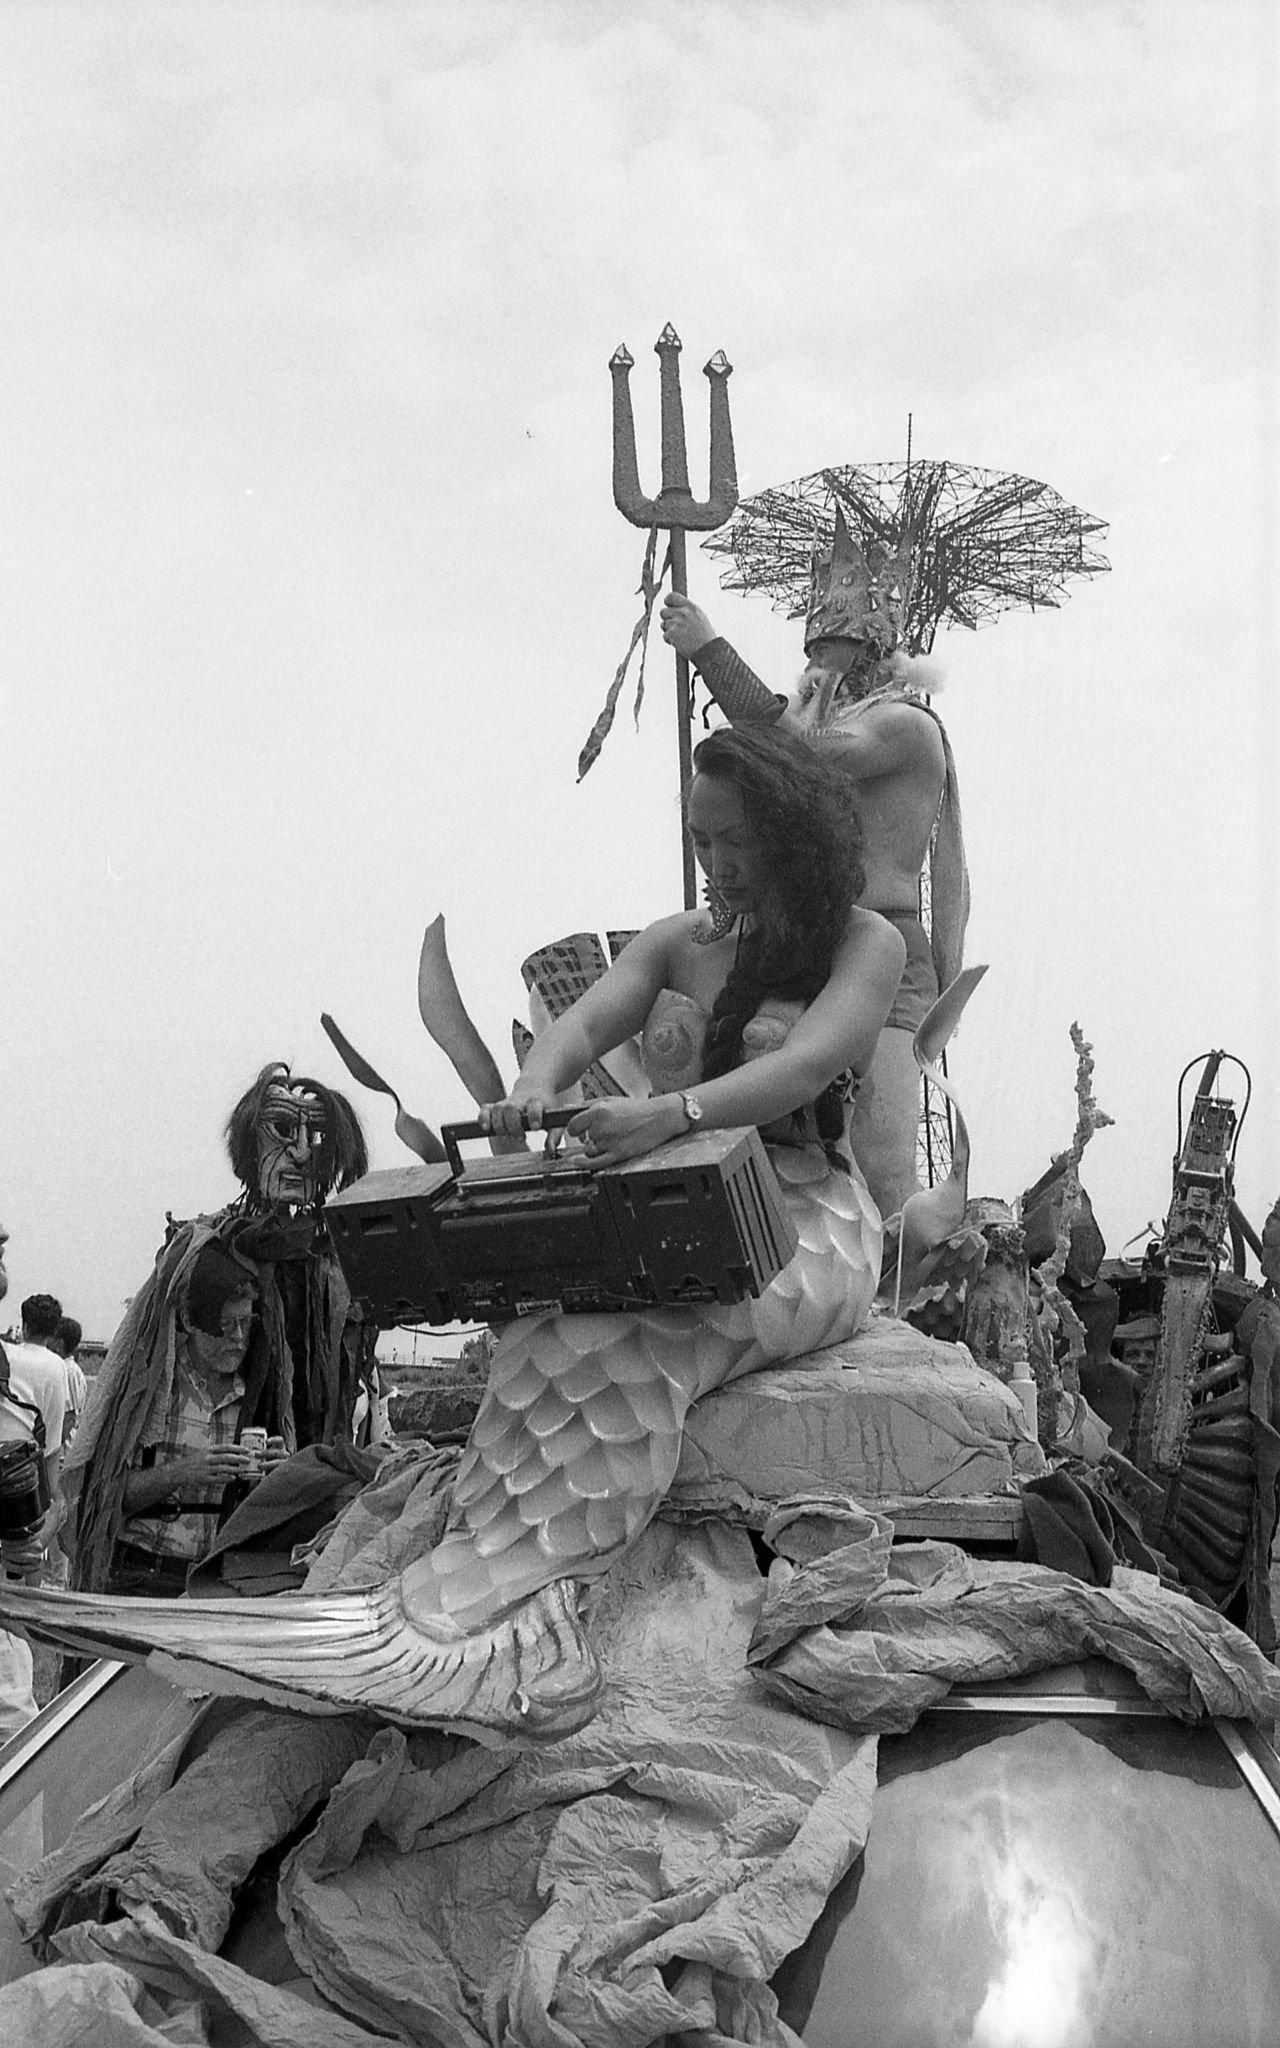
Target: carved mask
x,y
295,1147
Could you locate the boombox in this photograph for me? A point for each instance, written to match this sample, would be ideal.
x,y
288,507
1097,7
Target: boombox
x,y
700,1219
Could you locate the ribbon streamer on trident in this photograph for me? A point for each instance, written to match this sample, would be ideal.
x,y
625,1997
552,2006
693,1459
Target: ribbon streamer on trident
x,y
674,509
650,585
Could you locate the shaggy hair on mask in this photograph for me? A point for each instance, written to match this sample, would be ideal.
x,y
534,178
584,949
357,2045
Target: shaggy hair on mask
x,y
343,1154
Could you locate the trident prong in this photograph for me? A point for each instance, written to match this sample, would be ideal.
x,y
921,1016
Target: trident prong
x,y
675,507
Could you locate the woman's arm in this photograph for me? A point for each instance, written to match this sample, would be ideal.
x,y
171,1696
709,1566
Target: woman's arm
x,y
839,1029
612,1010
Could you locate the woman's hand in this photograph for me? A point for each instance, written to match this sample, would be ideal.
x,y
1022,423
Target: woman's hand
x,y
511,1118
621,1128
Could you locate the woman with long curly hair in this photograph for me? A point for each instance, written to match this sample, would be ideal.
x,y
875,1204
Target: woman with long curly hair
x,y
758,1015
790,978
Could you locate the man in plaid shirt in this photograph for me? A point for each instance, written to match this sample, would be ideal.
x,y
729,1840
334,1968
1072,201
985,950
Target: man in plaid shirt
x,y
174,1491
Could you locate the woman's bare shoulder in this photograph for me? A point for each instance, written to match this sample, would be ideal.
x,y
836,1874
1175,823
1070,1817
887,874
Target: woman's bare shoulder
x,y
873,937
662,941
677,929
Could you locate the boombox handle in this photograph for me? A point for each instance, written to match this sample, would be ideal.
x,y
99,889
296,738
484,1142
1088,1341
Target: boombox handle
x,y
451,1134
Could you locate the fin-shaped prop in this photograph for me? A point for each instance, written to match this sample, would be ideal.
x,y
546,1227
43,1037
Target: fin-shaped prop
x,y
530,1674
410,1130
445,1015
933,1213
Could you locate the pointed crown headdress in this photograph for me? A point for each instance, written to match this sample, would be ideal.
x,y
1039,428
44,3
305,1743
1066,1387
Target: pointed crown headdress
x,y
858,593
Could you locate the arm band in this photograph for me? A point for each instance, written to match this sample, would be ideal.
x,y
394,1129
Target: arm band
x,y
737,689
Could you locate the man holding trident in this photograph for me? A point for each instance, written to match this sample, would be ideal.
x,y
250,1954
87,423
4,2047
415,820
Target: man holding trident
x,y
856,695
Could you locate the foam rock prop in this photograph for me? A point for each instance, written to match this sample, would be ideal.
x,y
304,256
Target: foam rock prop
x,y
888,1414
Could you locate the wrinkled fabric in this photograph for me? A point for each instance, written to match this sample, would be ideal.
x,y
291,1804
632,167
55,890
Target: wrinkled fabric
x,y
182,1848
398,1517
227,2001
246,1793
291,1506
127,1402
939,1618
639,1879
52,1890
643,1879
99,2002
1067,1525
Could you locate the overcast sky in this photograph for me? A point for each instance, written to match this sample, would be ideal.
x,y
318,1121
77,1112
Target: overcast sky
x,y
313,583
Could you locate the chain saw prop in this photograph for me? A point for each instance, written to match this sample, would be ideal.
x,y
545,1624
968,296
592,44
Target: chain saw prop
x,y
1201,1435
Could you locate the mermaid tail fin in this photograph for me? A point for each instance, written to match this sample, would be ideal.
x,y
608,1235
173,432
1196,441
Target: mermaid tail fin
x,y
531,1673
573,1450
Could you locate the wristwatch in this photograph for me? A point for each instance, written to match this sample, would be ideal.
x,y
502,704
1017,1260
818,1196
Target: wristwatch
x,y
691,1106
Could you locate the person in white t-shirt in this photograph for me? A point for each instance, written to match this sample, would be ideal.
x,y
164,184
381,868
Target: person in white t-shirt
x,y
36,1386
65,1345
42,1325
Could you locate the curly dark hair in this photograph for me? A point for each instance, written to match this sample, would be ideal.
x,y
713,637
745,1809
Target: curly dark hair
x,y
41,1314
799,805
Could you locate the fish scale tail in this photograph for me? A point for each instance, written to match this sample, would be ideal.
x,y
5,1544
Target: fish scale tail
x,y
578,1436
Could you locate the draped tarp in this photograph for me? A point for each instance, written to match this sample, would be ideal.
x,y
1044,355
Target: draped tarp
x,y
860,1647
640,1880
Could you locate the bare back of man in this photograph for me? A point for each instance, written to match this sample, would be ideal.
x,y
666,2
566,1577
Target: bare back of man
x,y
892,749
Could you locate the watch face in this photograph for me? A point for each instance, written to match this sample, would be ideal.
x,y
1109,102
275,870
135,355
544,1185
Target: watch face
x,y
692,1108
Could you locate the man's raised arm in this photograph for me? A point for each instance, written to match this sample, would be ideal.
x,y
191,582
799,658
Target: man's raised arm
x,y
737,689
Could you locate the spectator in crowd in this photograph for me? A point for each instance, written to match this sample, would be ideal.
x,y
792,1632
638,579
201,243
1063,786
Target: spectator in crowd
x,y
64,1346
32,1407
165,1450
67,1344
42,1324
41,1315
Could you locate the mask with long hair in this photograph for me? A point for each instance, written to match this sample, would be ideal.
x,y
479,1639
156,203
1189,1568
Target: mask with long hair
x,y
291,1141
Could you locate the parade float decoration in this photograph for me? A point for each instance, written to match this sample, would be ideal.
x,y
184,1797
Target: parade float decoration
x,y
515,1814
970,543
947,545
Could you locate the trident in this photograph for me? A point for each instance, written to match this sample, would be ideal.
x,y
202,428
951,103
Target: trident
x,y
674,508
